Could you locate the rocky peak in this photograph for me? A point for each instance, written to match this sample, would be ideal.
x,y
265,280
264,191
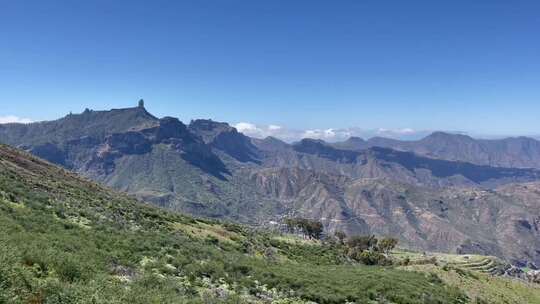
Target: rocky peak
x,y
444,137
209,125
208,129
222,136
270,144
170,127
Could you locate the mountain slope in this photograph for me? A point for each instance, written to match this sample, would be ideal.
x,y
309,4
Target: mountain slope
x,y
501,223
64,239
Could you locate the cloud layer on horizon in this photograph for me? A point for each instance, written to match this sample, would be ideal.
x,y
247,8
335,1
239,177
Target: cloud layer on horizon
x,y
330,134
14,119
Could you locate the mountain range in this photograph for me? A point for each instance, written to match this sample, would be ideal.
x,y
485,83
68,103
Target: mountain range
x,y
516,152
446,192
65,239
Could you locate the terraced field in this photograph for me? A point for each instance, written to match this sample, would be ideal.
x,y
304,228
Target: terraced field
x,y
478,276
478,263
488,265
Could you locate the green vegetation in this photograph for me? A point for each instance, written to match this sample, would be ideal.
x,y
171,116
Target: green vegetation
x,y
367,249
66,240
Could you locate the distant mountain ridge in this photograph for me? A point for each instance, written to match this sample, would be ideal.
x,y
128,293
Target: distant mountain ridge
x,y
376,162
424,192
514,152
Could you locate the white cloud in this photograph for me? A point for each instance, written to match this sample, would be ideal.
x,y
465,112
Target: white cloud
x,y
245,127
253,130
330,134
404,133
13,119
342,134
274,127
396,131
260,131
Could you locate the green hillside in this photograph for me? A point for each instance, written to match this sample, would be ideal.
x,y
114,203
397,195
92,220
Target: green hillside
x,y
64,239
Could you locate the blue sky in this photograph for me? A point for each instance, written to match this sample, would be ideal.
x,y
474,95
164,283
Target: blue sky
x,y
471,66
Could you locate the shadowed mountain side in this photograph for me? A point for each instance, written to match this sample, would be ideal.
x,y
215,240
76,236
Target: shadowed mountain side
x,y
321,149
387,163
443,169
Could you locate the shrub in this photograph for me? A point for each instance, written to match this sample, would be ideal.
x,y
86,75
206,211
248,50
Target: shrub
x,y
406,261
69,270
387,244
341,236
310,228
362,243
